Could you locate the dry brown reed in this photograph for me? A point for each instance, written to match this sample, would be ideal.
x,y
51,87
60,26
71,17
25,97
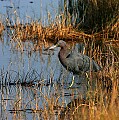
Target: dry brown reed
x,y
36,32
1,28
99,104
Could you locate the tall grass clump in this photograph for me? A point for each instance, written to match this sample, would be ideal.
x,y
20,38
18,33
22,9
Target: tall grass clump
x,y
93,15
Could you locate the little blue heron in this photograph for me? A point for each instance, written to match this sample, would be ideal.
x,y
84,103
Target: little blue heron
x,y
75,62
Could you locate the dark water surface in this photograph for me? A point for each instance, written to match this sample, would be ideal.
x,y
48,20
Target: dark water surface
x,y
49,80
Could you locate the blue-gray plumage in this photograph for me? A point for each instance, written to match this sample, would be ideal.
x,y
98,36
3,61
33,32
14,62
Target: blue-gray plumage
x,y
73,61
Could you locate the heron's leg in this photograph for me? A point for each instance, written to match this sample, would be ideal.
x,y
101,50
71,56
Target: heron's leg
x,y
72,82
88,80
87,76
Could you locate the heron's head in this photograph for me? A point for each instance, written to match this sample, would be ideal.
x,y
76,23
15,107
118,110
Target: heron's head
x,y
60,43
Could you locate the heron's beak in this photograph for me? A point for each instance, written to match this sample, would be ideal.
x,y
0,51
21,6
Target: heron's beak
x,y
53,47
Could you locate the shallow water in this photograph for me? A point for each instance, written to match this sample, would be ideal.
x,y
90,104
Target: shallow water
x,y
29,9
49,80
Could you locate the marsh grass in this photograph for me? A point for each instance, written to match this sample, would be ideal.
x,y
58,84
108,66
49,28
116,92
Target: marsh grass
x,y
91,16
39,35
101,102
102,97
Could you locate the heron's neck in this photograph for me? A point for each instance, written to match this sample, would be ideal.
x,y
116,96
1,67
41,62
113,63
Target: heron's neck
x,y
62,56
63,53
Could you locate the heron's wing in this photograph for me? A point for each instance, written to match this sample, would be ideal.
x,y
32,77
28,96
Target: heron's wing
x,y
80,62
77,62
83,62
89,64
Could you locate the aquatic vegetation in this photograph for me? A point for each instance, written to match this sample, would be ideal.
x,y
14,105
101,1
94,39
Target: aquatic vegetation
x,y
25,94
